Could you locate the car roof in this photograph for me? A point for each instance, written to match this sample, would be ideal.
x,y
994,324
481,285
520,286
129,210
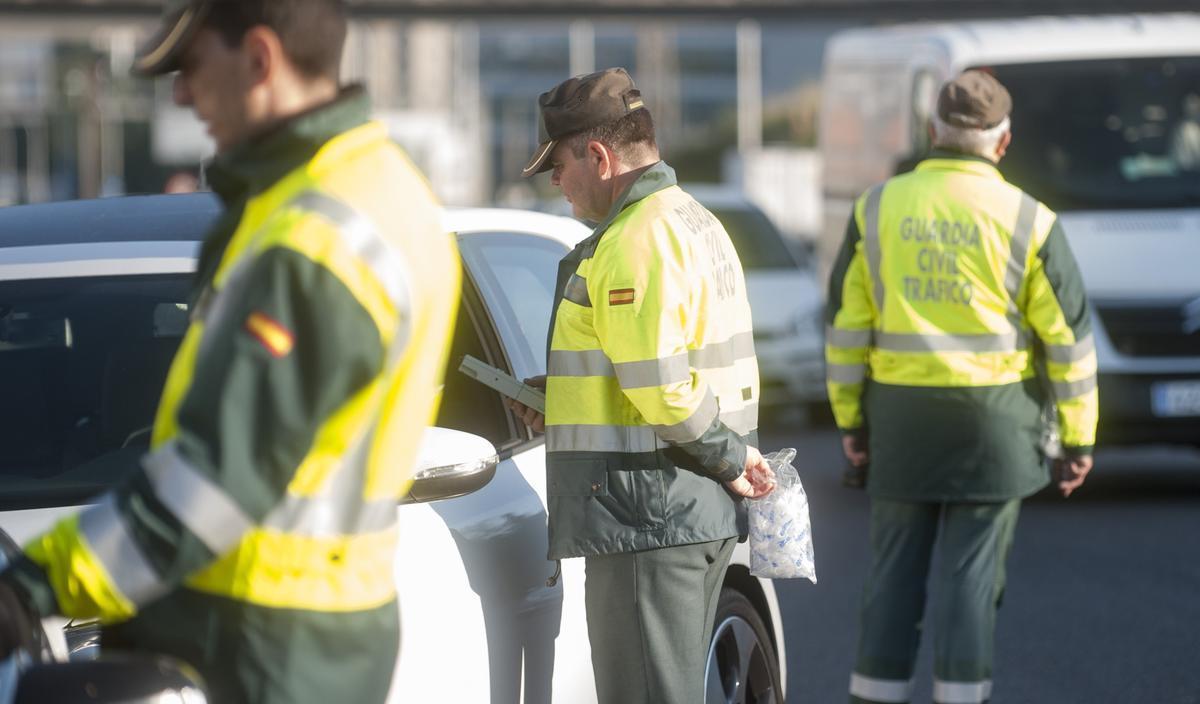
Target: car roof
x,y
188,218
468,221
157,218
718,195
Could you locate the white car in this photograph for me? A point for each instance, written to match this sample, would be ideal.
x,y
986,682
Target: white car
x,y
91,308
785,299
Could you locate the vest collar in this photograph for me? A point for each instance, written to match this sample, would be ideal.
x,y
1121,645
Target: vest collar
x,y
655,178
947,160
259,162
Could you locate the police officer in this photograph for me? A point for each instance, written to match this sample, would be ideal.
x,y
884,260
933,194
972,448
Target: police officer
x,y
952,287
651,394
256,540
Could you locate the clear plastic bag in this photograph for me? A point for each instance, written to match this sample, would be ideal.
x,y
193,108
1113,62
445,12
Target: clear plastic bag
x,y
780,534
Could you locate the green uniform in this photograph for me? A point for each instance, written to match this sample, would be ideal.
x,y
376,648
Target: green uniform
x,y
952,287
258,540
652,395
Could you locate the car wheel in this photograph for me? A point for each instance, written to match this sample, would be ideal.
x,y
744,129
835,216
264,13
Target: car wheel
x,y
742,667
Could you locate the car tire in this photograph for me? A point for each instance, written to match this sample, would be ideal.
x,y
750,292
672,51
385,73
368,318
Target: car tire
x,y
742,665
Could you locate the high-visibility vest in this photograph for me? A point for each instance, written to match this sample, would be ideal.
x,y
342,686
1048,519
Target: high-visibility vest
x,y
329,543
652,348
947,287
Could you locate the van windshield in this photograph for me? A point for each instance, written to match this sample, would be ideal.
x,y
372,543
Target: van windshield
x,y
1107,133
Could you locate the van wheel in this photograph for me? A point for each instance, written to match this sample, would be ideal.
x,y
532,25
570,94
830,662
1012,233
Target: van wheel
x,y
742,667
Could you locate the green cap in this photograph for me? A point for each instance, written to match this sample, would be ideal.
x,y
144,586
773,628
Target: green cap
x,y
180,21
975,100
579,104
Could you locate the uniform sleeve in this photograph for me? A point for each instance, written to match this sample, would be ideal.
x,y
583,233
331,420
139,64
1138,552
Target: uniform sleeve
x,y
643,307
1057,310
286,352
849,319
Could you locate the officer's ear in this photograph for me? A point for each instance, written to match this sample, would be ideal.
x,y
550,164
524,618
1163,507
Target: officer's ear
x,y
600,160
1002,145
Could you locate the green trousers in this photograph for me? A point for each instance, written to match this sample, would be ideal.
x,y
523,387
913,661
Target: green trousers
x,y
975,542
650,619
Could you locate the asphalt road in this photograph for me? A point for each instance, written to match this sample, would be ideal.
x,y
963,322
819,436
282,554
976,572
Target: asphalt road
x,y
1103,598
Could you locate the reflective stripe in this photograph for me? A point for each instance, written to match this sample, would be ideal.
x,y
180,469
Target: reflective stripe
x,y
1022,235
112,543
961,692
365,241
716,355
945,342
654,372
601,438
846,373
871,240
199,504
579,363
1064,390
1066,354
576,291
318,517
876,690
742,421
836,337
692,428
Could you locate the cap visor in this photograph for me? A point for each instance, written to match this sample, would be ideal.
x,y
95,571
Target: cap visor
x,y
160,54
540,160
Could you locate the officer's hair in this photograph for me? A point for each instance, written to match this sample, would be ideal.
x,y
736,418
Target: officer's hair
x,y
312,32
968,140
627,136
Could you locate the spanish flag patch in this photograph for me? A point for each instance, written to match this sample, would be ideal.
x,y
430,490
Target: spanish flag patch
x,y
277,339
620,296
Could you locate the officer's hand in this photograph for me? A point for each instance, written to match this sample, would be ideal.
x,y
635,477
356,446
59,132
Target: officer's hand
x,y
757,480
855,448
1070,472
530,416
16,622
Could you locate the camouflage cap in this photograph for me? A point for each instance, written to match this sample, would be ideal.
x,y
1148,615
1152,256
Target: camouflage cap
x,y
975,100
180,20
579,104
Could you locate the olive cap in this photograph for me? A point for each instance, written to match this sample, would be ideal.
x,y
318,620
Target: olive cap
x,y
975,100
579,104
160,53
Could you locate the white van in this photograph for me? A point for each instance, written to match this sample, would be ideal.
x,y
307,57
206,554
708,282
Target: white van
x,y
1106,131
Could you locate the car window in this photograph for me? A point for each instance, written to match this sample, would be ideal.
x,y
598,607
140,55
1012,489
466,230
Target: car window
x,y
516,273
82,365
468,405
759,245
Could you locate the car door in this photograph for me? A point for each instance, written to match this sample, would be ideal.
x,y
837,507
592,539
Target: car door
x,y
481,608
516,274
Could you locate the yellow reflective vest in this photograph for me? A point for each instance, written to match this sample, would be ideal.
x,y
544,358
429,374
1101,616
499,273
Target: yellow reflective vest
x,y
950,290
652,387
292,413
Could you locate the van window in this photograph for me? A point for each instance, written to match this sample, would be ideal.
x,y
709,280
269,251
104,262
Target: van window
x,y
1107,133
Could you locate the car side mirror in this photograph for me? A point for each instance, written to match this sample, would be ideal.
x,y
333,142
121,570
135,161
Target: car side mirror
x,y
115,679
451,463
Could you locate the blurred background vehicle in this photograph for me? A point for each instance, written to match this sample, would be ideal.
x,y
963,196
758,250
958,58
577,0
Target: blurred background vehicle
x,y
785,299
1106,131
93,303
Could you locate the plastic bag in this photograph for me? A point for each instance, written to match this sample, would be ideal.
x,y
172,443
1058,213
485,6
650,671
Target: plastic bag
x,y
780,534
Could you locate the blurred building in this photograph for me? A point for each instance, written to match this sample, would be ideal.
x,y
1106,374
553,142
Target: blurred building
x,y
733,85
